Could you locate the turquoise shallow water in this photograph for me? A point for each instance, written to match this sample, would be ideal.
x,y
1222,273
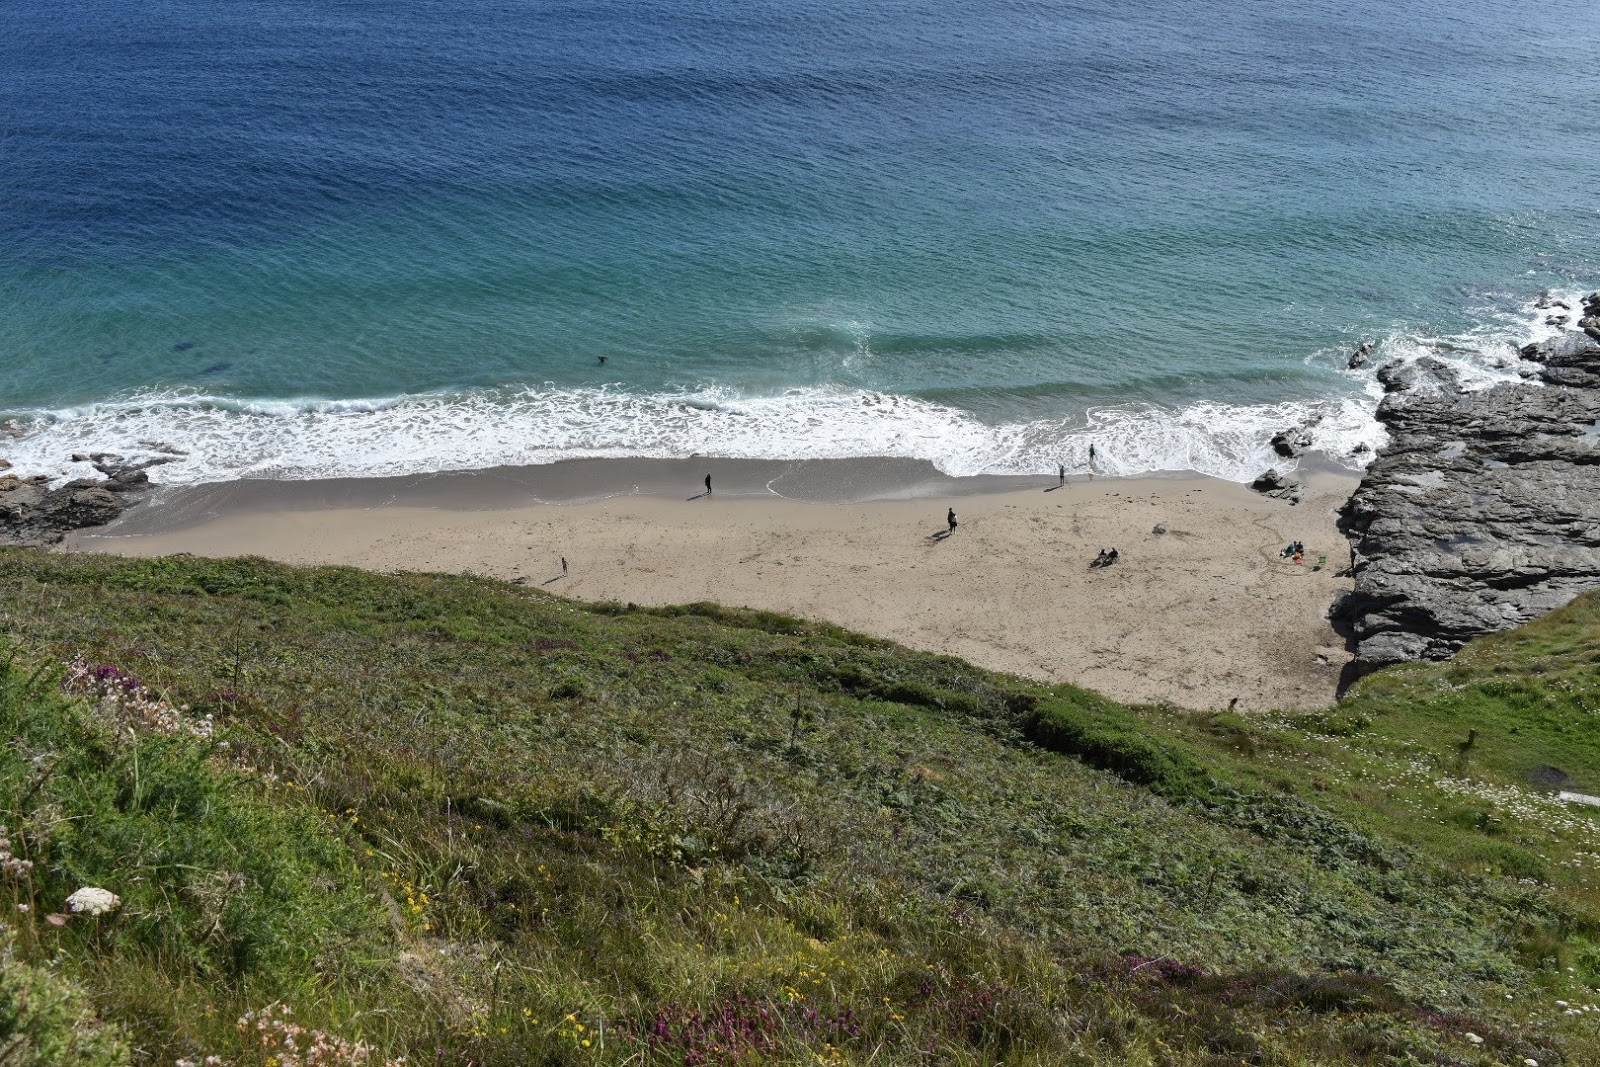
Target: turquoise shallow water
x,y
302,238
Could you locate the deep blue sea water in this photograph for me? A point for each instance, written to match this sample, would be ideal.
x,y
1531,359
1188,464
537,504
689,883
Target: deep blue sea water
x,y
301,238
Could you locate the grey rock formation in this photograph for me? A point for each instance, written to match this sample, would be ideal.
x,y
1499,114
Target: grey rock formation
x,y
33,514
1482,511
1272,482
1291,443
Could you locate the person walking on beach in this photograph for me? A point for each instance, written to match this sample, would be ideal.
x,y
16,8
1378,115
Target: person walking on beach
x,y
708,485
951,519
1061,474
1091,461
563,566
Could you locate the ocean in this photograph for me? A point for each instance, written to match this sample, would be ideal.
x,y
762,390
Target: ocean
x,y
300,239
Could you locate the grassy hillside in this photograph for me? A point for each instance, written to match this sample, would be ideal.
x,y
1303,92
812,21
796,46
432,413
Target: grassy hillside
x,y
461,822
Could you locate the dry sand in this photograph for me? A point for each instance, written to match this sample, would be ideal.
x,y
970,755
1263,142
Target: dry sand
x,y
1194,616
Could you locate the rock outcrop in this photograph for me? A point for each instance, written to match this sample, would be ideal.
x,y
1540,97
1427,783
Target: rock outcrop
x,y
1274,483
1483,510
1291,443
33,514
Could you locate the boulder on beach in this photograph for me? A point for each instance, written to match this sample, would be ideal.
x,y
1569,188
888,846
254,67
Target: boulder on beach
x,y
1272,482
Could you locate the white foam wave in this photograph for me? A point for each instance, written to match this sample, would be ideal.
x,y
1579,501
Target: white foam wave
x,y
225,439
1486,353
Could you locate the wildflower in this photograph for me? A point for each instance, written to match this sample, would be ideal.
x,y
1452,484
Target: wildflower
x,y
94,901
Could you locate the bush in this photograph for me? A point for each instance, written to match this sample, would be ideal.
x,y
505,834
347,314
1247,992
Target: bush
x,y
1117,742
45,1021
926,696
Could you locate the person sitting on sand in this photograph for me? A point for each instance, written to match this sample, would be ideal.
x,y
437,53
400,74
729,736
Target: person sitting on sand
x,y
951,519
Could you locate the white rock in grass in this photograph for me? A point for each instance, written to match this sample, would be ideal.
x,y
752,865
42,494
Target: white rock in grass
x,y
93,901
1472,1037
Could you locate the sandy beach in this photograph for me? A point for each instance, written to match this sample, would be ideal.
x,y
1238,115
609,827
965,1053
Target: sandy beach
x,y
1193,616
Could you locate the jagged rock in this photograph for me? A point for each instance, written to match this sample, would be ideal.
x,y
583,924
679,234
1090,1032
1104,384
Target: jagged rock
x,y
1482,511
1268,481
1273,483
1359,357
31,513
5,464
1292,442
76,508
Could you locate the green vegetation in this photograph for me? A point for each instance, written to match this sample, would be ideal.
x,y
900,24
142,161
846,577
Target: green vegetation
x,y
462,822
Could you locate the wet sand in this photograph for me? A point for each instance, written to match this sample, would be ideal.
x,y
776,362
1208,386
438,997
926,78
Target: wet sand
x,y
1194,616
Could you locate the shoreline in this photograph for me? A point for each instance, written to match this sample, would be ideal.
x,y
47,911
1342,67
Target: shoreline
x,y
1193,616
576,482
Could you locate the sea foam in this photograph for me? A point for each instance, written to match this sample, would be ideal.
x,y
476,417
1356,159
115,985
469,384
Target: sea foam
x,y
223,438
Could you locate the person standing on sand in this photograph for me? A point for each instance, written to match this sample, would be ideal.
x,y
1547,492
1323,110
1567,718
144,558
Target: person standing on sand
x,y
708,485
1091,461
563,566
951,519
1061,474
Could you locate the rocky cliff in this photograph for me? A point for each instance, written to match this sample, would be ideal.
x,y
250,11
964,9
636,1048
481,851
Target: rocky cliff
x,y
1483,511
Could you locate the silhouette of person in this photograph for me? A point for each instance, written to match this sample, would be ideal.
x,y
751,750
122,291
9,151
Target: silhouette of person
x,y
603,360
951,519
1091,461
563,564
1061,474
708,485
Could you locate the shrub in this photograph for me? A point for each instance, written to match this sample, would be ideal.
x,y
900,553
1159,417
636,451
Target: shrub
x,y
927,696
45,1021
1117,742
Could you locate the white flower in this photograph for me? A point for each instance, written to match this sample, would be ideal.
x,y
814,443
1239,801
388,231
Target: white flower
x,y
94,901
1472,1037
